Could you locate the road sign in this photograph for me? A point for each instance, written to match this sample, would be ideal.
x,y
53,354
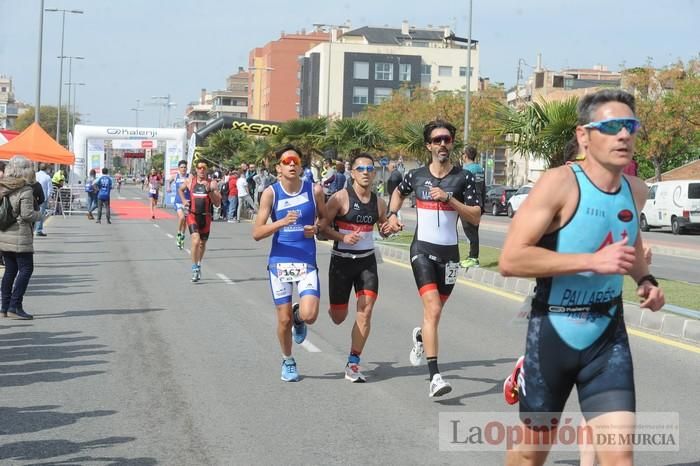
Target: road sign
x,y
384,161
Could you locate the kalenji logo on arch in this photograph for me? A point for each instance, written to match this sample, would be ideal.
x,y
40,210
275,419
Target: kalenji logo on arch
x,y
126,132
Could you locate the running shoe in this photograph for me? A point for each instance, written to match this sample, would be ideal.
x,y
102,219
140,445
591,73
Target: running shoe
x,y
298,330
199,272
353,373
511,386
469,262
289,370
180,241
195,274
417,353
439,387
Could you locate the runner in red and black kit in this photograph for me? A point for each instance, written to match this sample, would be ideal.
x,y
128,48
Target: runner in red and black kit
x,y
356,210
203,193
444,193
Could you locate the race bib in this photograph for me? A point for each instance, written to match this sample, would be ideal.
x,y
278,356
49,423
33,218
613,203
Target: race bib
x,y
152,190
451,269
291,271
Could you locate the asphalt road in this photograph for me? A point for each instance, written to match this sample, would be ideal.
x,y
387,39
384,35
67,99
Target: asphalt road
x,y
129,363
673,267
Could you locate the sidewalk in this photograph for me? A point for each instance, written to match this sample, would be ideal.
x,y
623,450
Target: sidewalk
x,y
662,323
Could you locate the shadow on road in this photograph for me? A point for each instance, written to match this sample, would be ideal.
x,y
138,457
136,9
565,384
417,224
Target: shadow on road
x,y
46,449
37,418
97,312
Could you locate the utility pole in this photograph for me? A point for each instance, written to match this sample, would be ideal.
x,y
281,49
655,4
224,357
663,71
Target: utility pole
x,y
37,107
467,103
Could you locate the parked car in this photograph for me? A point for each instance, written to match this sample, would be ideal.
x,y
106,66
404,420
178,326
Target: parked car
x,y
674,204
517,199
497,197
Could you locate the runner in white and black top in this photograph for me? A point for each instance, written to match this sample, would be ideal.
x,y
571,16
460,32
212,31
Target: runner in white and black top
x,y
355,209
444,193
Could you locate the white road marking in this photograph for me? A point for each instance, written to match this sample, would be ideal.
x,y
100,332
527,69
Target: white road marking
x,y
156,225
225,279
310,347
136,198
188,251
169,235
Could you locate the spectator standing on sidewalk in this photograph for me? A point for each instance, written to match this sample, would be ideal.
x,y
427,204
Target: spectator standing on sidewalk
x,y
470,230
244,198
92,193
233,197
45,181
17,241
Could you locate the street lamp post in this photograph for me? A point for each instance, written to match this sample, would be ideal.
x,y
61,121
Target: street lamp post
x,y
60,73
75,97
467,103
39,57
70,80
136,111
167,104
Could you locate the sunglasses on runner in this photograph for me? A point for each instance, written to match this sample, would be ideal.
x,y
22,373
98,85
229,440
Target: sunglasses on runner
x,y
437,140
612,126
287,160
364,168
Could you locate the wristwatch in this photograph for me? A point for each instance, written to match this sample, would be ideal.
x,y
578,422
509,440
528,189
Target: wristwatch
x,y
389,214
648,278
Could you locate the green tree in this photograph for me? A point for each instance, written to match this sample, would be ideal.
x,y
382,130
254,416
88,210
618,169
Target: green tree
x,y
47,120
353,135
540,129
225,147
668,105
308,134
409,141
157,161
258,151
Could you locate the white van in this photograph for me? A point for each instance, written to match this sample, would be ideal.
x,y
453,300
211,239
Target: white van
x,y
674,204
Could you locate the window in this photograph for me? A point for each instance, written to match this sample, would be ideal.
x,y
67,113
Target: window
x,y
381,94
693,190
652,192
360,70
3,89
405,72
425,71
444,71
3,108
383,71
463,71
360,95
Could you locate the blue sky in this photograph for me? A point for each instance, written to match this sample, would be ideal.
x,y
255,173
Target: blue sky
x,y
136,49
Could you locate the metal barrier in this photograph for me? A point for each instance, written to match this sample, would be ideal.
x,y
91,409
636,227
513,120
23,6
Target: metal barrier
x,y
68,200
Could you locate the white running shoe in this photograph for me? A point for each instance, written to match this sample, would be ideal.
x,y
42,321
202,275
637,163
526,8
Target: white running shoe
x,y
353,373
417,354
439,387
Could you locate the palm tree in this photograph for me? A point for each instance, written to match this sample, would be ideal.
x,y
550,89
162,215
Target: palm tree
x,y
259,151
223,147
305,133
353,135
541,129
410,140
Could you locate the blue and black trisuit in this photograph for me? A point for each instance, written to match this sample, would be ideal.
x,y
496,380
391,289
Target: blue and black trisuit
x,y
576,334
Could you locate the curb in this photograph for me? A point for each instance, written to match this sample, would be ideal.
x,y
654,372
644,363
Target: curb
x,y
662,323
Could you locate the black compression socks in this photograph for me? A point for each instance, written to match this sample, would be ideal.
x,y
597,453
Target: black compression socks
x,y
432,366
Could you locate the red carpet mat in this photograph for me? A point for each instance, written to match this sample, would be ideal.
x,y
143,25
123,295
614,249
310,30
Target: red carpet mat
x,y
135,210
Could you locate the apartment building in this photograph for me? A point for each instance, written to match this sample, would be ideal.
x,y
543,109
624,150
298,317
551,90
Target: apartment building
x,y
8,106
232,101
274,75
364,66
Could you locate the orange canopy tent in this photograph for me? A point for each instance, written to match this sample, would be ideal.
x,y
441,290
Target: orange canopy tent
x,y
35,144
